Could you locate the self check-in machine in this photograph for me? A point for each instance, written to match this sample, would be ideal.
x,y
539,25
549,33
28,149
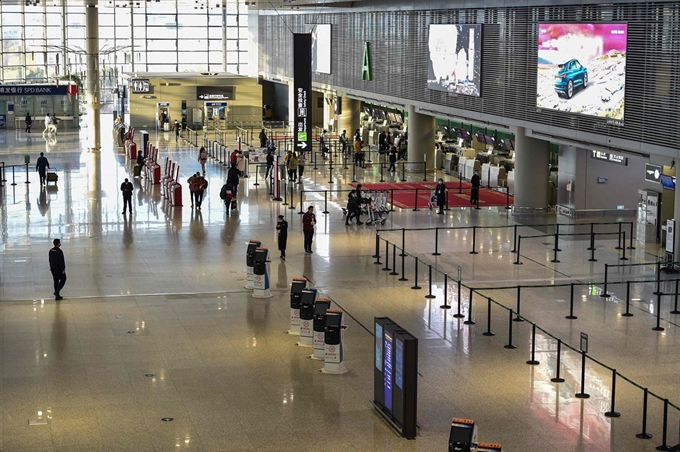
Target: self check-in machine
x,y
307,317
334,356
319,324
463,435
250,262
162,115
296,288
261,274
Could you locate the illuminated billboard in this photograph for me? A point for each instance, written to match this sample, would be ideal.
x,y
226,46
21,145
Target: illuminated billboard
x,y
582,68
321,48
455,59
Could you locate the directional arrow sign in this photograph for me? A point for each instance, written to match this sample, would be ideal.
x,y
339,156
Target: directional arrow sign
x,y
302,145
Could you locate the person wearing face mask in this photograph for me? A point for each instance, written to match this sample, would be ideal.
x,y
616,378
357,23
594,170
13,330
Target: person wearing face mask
x,y
474,193
440,194
282,228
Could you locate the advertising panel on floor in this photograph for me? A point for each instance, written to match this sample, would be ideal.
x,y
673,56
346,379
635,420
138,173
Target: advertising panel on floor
x,y
582,68
455,58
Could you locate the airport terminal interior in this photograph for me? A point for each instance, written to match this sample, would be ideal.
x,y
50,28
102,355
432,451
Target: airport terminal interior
x,y
446,317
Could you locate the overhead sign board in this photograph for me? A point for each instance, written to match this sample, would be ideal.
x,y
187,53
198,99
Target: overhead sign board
x,y
215,93
610,157
49,90
652,173
140,86
215,104
302,86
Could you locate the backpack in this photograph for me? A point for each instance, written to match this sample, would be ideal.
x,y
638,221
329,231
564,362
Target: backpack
x,y
226,191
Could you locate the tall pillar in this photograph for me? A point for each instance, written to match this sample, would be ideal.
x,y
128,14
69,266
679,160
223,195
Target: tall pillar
x,y
676,217
532,157
92,49
349,117
420,139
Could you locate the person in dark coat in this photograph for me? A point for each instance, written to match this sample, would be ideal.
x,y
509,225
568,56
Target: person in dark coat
x,y
263,139
270,164
58,268
440,194
41,166
282,228
474,193
29,122
127,188
393,160
233,179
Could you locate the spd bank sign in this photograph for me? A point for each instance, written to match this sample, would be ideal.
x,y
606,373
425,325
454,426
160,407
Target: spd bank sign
x,y
302,84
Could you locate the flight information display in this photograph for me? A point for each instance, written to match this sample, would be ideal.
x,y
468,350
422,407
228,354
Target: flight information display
x,y
388,370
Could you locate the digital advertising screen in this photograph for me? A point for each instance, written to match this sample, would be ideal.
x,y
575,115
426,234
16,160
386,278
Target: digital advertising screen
x,y
321,48
582,68
387,384
455,58
378,346
399,369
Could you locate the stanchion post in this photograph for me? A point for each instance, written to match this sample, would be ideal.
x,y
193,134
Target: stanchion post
x,y
292,197
658,326
658,278
354,171
618,245
557,235
13,181
624,258
377,246
460,184
285,195
415,202
27,181
557,378
644,434
392,197
627,313
555,249
387,256
382,175
519,244
469,320
592,234
592,245
403,266
675,296
612,411
459,314
519,304
403,242
514,239
256,174
583,394
394,260
664,429
509,345
301,212
429,280
446,293
436,242
488,318
532,361
325,202
474,240
631,247
415,285
571,315
507,198
604,293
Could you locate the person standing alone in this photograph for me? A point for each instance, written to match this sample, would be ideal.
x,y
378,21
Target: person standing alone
x,y
474,193
29,122
41,166
282,228
127,188
308,222
58,268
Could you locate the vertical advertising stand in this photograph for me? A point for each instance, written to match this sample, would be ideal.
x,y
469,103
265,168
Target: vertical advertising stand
x,y
296,288
334,356
395,385
250,262
307,317
320,307
261,274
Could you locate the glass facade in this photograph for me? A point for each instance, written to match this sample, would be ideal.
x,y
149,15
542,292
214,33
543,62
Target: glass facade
x,y
43,41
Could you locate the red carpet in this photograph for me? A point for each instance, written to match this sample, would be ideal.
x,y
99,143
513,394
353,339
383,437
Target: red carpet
x,y
405,194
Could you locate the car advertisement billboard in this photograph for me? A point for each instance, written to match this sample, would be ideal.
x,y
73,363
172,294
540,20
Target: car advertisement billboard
x,y
455,58
582,68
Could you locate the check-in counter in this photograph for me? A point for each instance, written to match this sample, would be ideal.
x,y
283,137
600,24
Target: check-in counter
x,y
486,169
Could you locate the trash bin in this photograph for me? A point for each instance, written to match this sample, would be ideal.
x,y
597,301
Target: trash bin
x,y
27,159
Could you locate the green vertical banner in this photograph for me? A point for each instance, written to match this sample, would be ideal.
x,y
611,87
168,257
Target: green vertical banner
x,y
302,84
366,64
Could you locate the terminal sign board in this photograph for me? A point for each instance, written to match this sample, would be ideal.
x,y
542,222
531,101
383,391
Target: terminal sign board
x,y
302,86
610,157
48,90
215,93
140,86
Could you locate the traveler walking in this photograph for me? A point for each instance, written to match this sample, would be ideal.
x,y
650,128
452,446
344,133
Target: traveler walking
x,y
308,222
233,179
393,160
270,164
201,184
227,195
41,166
282,228
48,121
202,158
58,268
127,188
292,167
175,127
191,182
301,166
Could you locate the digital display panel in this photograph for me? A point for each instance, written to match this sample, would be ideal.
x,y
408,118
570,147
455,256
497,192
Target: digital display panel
x,y
455,58
378,346
582,68
321,48
387,364
399,364
668,182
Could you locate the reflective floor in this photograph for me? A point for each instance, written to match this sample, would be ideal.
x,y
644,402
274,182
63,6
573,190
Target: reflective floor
x,y
156,324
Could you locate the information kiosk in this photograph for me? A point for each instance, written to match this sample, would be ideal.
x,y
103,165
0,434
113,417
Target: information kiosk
x,y
320,307
463,435
296,288
261,274
334,356
250,262
307,317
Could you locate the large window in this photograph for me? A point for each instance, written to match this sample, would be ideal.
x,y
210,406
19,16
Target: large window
x,y
41,42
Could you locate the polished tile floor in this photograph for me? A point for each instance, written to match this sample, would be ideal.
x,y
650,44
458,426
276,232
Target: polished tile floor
x,y
156,323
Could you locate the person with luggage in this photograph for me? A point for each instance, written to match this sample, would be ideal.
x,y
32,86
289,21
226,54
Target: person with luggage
x,y
233,179
29,122
282,232
440,195
393,160
270,164
191,182
474,193
263,139
308,222
127,188
301,166
57,268
227,195
41,166
201,184
202,158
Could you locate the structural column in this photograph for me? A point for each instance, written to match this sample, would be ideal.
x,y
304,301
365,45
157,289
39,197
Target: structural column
x,y
676,217
532,157
420,139
349,116
92,49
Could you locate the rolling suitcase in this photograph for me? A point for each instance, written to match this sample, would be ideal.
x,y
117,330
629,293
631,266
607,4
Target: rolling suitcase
x,y
52,177
138,171
234,204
